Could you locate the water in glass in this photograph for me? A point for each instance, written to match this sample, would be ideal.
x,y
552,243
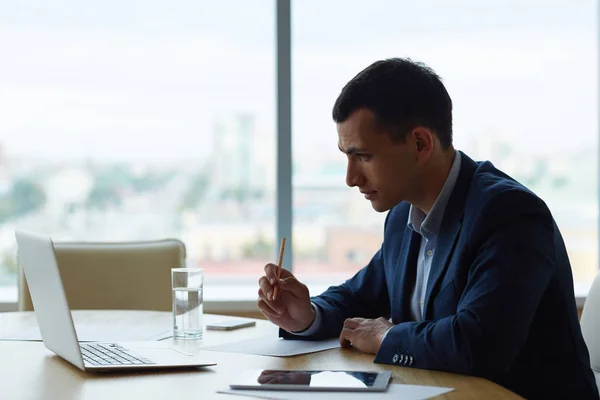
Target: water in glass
x,y
187,313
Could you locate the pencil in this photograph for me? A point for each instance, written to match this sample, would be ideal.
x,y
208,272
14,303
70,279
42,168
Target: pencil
x,y
281,249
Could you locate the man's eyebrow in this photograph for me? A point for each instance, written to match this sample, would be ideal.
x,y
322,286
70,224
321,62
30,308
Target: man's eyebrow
x,y
351,150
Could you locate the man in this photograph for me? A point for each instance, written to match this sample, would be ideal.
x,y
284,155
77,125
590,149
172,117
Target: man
x,y
472,277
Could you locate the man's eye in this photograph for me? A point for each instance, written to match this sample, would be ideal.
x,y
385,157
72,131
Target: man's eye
x,y
363,157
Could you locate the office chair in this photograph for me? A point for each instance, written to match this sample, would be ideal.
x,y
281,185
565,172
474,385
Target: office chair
x,y
115,276
590,326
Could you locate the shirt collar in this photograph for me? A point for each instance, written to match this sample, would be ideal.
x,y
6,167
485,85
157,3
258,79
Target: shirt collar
x,y
428,225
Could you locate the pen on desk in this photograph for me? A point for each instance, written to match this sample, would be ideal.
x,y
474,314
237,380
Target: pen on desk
x,y
281,249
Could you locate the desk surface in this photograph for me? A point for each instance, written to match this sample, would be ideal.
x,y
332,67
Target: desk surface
x,y
29,371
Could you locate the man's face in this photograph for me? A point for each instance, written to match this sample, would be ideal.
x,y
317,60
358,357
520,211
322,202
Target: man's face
x,y
384,170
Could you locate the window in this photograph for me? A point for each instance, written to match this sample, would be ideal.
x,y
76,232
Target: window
x,y
139,120
128,120
523,79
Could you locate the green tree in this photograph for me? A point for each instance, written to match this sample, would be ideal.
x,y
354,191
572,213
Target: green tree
x,y
150,181
103,196
26,196
9,262
195,191
109,183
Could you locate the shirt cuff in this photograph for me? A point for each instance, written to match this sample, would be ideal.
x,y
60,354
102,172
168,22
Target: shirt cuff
x,y
386,332
315,326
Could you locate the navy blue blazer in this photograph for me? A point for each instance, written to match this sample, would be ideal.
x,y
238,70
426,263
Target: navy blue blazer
x,y
499,301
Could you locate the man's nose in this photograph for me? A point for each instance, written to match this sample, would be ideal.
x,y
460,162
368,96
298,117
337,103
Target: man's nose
x,y
353,175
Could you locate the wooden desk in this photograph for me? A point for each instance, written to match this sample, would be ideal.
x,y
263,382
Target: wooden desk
x,y
29,371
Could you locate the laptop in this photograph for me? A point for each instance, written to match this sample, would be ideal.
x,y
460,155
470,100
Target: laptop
x,y
38,260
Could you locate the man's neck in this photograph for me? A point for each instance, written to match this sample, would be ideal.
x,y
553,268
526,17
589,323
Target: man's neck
x,y
434,179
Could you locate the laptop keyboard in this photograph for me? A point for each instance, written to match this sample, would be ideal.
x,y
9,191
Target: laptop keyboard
x,y
110,354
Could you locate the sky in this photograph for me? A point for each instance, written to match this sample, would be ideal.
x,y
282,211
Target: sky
x,y
118,80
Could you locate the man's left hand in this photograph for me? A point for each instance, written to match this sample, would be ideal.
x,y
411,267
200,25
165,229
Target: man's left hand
x,y
363,334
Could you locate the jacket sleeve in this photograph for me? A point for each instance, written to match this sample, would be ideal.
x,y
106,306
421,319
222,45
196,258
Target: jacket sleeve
x,y
364,295
513,260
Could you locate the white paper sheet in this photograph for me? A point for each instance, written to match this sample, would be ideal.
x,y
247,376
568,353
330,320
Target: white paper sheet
x,y
394,391
274,346
99,333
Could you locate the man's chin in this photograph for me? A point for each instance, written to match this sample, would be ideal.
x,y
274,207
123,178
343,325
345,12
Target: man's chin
x,y
380,207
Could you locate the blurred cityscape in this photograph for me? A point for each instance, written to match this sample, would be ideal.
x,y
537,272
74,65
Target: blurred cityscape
x,y
223,206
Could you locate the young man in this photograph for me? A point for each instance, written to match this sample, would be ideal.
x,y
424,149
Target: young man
x,y
472,277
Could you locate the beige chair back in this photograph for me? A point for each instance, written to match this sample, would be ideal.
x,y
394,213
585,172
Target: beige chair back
x,y
590,326
115,276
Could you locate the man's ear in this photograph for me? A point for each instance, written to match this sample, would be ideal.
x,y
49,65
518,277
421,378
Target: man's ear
x,y
423,138
419,144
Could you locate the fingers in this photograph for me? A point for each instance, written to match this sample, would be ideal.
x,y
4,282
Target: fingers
x,y
294,286
265,287
275,292
345,340
277,308
348,332
352,323
266,310
271,273
270,282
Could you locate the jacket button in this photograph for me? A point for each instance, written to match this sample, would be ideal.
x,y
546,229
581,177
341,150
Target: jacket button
x,y
395,358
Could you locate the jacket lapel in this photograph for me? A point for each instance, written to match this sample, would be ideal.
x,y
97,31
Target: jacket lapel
x,y
449,230
406,267
445,245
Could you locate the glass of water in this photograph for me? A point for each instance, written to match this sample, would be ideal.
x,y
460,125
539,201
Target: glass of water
x,y
187,302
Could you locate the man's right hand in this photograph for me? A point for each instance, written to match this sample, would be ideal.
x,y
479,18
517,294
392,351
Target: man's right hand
x,y
291,310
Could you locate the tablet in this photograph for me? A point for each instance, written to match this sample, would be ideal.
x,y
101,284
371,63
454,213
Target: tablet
x,y
322,380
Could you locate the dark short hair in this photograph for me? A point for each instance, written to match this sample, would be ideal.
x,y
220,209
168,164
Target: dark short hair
x,y
402,94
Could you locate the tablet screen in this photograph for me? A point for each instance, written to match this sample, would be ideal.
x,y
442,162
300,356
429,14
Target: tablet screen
x,y
313,380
